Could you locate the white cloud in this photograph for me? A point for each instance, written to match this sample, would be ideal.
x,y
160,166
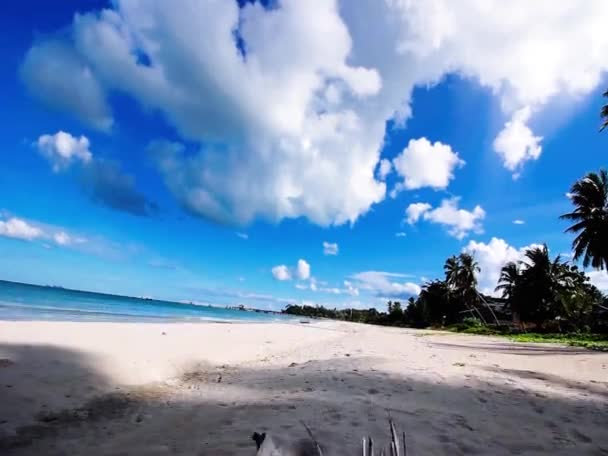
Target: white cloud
x,y
55,73
27,230
17,228
459,222
350,288
384,168
400,234
383,284
62,149
516,143
242,235
314,285
491,258
327,86
330,248
422,164
103,180
62,238
281,272
303,270
415,210
599,279
518,222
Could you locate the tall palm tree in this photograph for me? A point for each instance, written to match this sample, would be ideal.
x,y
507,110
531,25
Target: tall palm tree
x,y
461,278
590,196
604,113
460,274
544,285
508,281
451,269
468,274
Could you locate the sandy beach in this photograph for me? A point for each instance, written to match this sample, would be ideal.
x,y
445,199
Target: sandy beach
x,y
203,389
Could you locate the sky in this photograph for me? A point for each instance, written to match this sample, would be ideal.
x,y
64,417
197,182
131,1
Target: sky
x,y
267,153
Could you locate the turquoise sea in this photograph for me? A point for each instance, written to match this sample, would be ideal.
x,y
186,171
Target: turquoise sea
x,y
20,301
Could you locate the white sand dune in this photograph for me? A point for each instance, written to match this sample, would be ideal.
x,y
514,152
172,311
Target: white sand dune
x,y
203,389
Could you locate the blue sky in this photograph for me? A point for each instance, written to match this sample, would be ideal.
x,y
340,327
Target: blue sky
x,y
206,151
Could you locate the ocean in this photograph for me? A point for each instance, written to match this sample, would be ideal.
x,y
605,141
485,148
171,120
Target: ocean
x,y
26,302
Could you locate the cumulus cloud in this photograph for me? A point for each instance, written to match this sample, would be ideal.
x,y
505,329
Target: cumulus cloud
x,y
384,168
518,222
516,143
62,238
425,164
27,230
327,86
491,258
281,272
242,235
330,248
400,234
17,228
386,284
599,279
56,74
303,270
415,210
62,149
103,180
459,222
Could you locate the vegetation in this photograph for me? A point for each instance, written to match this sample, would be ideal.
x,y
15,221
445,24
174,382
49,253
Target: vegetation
x,y
590,197
604,113
550,296
576,339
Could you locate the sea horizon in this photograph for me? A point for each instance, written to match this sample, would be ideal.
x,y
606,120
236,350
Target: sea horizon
x,y
21,301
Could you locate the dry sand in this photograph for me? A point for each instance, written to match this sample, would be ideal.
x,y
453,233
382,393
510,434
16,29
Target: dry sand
x,y
202,389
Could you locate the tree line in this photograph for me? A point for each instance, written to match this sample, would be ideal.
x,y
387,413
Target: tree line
x,y
540,292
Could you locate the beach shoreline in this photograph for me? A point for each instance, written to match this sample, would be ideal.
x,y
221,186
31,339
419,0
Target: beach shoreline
x,y
190,388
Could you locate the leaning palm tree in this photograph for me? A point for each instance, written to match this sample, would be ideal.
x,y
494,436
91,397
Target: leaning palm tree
x,y
590,196
604,113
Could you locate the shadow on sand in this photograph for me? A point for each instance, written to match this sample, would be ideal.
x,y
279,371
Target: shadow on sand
x,y
214,410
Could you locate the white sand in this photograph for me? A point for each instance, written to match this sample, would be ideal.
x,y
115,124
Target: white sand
x,y
202,389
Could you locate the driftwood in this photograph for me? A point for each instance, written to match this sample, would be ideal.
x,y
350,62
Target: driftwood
x,y
269,446
395,448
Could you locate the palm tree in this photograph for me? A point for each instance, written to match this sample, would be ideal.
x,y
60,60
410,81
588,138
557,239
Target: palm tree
x,y
509,283
460,274
604,113
543,286
590,196
461,278
451,268
508,280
